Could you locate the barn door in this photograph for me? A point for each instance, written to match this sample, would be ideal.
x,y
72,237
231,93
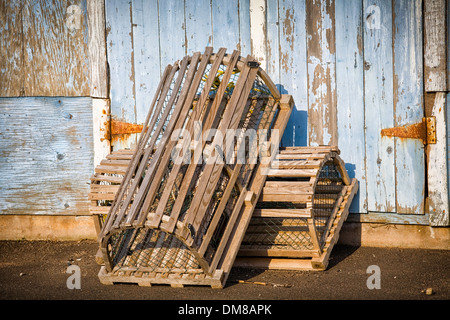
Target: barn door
x,y
394,100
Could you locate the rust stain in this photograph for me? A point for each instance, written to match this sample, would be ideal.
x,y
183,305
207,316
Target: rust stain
x,y
121,127
424,130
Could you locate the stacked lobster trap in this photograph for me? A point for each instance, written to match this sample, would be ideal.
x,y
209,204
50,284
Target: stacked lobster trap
x,y
194,192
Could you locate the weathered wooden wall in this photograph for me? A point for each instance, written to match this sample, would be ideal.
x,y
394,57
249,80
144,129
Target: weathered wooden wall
x,y
353,68
46,117
44,50
46,155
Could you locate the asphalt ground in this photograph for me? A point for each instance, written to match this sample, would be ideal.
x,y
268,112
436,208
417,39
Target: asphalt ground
x,y
40,271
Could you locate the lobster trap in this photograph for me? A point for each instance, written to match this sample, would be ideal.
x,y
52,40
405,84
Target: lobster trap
x,y
175,210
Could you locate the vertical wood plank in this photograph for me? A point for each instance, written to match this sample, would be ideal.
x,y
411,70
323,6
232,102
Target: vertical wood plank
x,y
435,45
100,134
258,30
378,105
171,31
408,105
199,33
146,54
438,197
273,42
11,42
245,40
121,66
321,48
225,17
350,95
293,69
97,49
55,49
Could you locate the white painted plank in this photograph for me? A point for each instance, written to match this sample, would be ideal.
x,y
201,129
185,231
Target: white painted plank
x,y
379,114
293,66
438,204
408,105
100,133
257,29
350,95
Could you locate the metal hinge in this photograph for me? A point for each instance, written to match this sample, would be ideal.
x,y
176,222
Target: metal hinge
x,y
121,127
425,130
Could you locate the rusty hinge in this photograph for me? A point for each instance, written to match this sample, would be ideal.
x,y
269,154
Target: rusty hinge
x,y
121,127
425,130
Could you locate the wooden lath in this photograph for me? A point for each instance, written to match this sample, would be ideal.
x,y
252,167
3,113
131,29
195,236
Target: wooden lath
x,y
196,202
295,223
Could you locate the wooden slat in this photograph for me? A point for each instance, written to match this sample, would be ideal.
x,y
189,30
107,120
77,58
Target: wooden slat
x,y
154,111
110,169
110,179
154,222
176,209
212,170
255,186
301,198
282,213
292,172
136,212
268,115
115,163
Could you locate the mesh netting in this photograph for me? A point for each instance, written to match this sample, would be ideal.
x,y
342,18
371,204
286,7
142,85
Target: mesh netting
x,y
150,250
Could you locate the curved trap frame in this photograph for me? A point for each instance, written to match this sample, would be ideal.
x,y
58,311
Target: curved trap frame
x,y
177,215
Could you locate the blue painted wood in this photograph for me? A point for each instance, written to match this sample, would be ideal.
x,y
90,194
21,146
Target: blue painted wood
x,y
244,28
225,17
121,67
198,25
350,95
321,59
408,105
293,69
172,31
146,54
273,42
379,113
46,155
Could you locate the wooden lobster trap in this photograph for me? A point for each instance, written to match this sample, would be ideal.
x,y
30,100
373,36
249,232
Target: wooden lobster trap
x,y
175,220
174,217
302,207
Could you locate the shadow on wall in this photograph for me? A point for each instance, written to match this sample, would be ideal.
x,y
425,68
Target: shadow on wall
x,y
296,132
296,135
